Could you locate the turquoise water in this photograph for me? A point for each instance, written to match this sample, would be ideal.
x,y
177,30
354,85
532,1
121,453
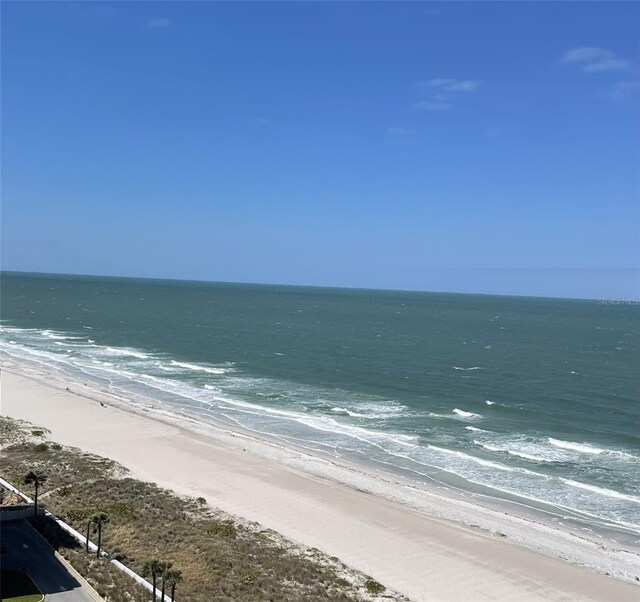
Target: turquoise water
x,y
528,399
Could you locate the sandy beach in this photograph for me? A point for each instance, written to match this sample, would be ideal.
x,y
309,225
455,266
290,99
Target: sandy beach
x,y
410,549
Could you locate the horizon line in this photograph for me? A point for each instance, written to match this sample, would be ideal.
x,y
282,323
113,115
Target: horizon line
x,y
356,288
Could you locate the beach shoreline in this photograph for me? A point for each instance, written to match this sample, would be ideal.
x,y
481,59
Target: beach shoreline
x,y
429,546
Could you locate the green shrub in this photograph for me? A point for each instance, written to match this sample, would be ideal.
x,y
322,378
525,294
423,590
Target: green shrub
x,y
119,509
373,587
40,448
37,433
74,515
224,528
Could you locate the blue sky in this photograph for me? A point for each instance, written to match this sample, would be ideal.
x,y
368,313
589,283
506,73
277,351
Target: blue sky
x,y
471,147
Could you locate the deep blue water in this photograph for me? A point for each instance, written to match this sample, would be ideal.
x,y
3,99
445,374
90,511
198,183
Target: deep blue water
x,y
527,397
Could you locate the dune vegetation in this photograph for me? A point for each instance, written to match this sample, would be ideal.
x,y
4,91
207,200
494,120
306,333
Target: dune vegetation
x,y
199,552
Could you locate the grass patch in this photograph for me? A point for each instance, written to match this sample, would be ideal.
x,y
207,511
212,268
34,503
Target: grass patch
x,y
17,586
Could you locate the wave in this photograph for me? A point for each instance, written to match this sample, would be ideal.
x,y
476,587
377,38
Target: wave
x,y
472,368
198,368
483,462
584,448
514,452
470,415
346,412
50,334
522,449
475,429
601,490
490,403
457,414
123,351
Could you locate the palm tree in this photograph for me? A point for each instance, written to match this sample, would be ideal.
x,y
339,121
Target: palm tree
x,y
172,577
99,519
154,568
37,480
164,569
89,525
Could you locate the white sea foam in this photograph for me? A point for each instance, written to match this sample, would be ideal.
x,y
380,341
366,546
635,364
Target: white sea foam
x,y
481,461
489,402
584,448
124,352
601,490
529,452
513,452
338,410
472,368
50,334
346,412
198,368
463,414
372,409
475,430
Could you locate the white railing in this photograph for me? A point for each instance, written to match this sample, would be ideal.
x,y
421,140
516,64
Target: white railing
x,y
92,546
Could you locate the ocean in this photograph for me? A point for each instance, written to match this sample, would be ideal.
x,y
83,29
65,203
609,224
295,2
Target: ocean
x,y
528,401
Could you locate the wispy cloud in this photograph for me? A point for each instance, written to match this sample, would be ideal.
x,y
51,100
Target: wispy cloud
x,y
595,60
454,85
623,90
444,92
159,23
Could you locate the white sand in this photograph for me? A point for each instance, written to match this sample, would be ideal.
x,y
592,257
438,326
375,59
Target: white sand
x,y
423,557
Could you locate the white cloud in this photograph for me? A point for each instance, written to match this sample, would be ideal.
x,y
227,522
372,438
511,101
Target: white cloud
x,y
595,60
159,23
608,65
425,105
454,85
586,53
444,92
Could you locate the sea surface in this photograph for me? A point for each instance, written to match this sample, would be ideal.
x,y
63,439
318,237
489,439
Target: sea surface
x,y
527,400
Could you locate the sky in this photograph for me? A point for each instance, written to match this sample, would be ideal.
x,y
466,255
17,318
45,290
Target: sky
x,y
468,147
